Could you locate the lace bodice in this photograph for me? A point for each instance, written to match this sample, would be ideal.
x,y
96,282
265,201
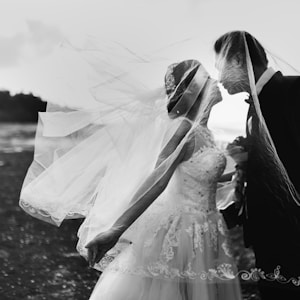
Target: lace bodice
x,y
198,176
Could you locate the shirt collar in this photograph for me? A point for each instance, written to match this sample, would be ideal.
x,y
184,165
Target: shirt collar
x,y
264,78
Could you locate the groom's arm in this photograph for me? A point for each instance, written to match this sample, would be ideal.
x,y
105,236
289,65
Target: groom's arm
x,y
294,110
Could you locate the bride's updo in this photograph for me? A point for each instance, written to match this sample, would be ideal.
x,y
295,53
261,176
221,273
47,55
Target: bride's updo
x,y
177,79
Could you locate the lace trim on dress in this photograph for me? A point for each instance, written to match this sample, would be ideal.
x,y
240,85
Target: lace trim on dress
x,y
205,235
223,271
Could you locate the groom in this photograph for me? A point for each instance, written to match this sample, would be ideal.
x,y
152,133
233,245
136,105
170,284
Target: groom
x,y
267,227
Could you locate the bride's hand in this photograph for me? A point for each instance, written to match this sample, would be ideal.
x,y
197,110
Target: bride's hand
x,y
102,243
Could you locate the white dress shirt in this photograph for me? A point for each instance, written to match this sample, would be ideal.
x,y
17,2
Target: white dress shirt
x,y
263,79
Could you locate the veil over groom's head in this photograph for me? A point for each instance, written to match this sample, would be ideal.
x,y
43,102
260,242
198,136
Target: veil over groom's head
x,y
232,50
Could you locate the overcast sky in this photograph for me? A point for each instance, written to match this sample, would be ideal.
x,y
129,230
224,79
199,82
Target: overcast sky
x,y
31,30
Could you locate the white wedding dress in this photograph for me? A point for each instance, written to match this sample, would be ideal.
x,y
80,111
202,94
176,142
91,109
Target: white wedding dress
x,y
179,249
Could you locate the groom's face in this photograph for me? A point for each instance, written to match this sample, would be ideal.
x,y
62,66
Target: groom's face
x,y
232,75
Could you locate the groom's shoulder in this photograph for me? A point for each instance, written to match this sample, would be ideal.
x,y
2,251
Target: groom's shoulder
x,y
291,83
291,79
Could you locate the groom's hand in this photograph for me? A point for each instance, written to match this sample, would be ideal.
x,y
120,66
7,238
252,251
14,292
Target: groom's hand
x,y
239,179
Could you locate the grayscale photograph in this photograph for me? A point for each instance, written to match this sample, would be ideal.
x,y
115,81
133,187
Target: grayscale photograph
x,y
149,150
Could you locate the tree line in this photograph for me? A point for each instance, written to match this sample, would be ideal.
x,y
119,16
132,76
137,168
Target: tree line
x,y
20,108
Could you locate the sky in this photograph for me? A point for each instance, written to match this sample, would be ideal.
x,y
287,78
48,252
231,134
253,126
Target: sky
x,y
32,32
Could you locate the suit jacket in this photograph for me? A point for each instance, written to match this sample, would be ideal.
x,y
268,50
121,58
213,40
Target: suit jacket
x,y
267,225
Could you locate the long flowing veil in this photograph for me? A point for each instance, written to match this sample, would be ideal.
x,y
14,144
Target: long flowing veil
x,y
90,161
74,146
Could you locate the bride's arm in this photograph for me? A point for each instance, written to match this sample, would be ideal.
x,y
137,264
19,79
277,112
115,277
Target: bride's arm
x,y
156,183
147,193
143,198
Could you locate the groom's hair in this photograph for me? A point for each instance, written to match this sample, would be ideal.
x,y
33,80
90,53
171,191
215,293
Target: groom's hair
x,y
234,41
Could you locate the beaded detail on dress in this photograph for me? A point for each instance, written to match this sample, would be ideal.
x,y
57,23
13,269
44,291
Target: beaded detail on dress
x,y
199,175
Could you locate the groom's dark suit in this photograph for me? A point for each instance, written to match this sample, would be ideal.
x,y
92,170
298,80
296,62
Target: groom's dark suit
x,y
275,239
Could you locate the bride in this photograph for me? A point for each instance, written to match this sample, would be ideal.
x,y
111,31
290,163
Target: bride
x,y
180,243
146,186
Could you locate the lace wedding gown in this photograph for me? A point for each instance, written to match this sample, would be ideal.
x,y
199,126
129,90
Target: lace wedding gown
x,y
179,250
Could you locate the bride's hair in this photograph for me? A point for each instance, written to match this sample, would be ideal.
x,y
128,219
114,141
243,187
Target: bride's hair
x,y
177,79
234,41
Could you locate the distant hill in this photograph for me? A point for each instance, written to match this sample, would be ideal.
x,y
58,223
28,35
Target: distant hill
x,y
20,108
